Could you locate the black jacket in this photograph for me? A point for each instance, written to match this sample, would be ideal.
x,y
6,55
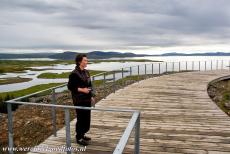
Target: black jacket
x,y
80,79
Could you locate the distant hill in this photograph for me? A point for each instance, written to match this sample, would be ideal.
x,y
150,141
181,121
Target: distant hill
x,y
95,55
69,55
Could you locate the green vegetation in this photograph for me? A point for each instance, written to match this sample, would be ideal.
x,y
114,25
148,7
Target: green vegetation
x,y
97,83
13,80
225,99
29,90
21,66
13,94
226,96
63,75
219,92
54,75
131,78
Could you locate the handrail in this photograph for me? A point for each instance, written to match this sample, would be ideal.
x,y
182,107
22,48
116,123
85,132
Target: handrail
x,y
124,139
72,107
135,121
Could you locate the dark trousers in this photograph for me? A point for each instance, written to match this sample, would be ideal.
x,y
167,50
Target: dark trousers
x,y
83,119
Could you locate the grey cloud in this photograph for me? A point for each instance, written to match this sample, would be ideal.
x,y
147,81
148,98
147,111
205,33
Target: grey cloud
x,y
120,24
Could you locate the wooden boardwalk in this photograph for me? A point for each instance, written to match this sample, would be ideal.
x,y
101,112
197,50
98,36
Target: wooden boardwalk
x,y
177,116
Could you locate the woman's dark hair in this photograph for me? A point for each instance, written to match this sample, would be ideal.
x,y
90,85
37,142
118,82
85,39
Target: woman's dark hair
x,y
79,58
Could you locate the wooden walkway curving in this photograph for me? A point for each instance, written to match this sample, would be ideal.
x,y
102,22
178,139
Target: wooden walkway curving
x,y
177,116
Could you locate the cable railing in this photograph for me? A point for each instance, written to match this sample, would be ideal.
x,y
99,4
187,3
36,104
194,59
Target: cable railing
x,y
109,82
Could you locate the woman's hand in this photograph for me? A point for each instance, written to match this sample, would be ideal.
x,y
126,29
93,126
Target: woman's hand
x,y
84,90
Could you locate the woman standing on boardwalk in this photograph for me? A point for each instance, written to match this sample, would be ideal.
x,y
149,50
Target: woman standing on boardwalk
x,y
82,94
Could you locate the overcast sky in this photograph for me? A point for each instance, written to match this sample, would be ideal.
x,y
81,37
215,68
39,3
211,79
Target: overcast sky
x,y
140,26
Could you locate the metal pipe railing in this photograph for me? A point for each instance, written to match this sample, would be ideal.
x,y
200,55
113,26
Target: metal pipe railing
x,y
53,111
133,122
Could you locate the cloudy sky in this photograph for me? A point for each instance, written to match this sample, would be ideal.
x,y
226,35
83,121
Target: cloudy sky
x,y
140,26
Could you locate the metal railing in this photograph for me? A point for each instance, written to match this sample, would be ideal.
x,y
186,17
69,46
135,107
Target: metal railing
x,y
114,80
133,123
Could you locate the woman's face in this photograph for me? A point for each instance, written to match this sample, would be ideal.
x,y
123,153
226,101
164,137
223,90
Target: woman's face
x,y
84,62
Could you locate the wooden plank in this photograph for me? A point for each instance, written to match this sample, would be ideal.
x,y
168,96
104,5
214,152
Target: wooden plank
x,y
177,116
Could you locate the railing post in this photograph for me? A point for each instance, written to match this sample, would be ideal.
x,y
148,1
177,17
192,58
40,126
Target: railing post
x,y
114,81
199,65
211,64
152,69
53,112
222,64
186,63
130,69
67,126
166,67
92,87
104,84
217,65
173,67
138,72
145,70
159,68
137,136
93,78
10,128
179,66
205,65
229,65
192,65
122,76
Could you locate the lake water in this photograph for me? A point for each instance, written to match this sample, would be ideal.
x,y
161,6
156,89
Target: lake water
x,y
174,63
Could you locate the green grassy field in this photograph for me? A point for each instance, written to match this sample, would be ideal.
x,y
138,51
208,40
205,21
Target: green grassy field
x,y
53,75
14,94
13,80
63,75
21,65
29,90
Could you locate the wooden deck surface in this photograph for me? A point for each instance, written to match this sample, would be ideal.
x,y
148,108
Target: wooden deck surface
x,y
177,116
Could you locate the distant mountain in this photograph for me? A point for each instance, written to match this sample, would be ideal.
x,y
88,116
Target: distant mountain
x,y
95,55
64,55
